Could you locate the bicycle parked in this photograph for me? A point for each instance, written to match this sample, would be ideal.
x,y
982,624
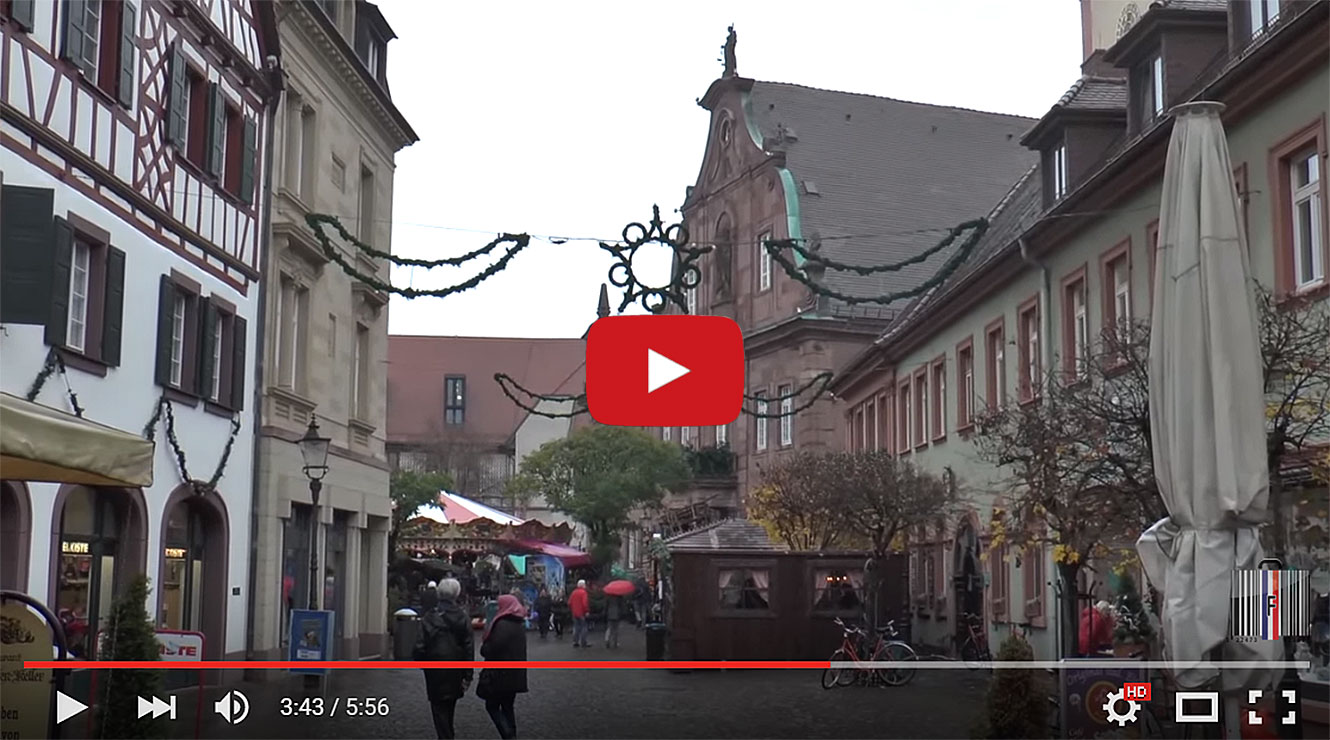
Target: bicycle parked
x,y
857,647
974,650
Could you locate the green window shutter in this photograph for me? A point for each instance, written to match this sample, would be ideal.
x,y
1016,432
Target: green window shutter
x,y
216,131
57,317
165,305
114,308
237,363
128,33
26,235
178,100
247,156
75,17
21,12
207,335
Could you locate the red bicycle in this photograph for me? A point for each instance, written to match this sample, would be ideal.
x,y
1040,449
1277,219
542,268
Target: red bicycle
x,y
857,648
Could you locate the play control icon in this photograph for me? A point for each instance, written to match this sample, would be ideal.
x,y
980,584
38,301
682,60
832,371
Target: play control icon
x,y
662,371
67,707
156,707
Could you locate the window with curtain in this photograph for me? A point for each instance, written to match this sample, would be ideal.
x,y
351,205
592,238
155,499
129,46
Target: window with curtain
x,y
745,588
838,589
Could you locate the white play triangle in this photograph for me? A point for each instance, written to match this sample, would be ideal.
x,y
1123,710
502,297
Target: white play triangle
x,y
661,370
67,706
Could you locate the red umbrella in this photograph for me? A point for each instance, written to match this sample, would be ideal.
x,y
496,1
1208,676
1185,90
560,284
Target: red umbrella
x,y
620,588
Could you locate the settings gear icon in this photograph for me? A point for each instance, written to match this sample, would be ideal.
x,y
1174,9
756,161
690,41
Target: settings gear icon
x,y
1122,718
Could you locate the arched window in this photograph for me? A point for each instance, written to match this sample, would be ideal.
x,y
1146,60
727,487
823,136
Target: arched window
x,y
92,523
723,256
183,575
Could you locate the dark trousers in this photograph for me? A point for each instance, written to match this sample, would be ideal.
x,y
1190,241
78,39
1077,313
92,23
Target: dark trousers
x,y
443,711
544,624
502,712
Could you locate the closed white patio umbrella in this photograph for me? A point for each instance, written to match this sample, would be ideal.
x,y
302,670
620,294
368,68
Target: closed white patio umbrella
x,y
1207,408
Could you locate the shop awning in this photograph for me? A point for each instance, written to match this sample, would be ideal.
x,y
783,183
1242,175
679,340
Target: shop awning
x,y
571,557
39,443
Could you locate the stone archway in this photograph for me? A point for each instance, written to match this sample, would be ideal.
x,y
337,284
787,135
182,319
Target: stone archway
x,y
193,567
15,535
967,575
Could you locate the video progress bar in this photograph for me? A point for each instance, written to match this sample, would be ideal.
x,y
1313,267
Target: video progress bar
x,y
951,664
946,664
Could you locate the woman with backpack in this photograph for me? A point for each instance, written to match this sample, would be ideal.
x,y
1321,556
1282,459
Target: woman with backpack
x,y
505,640
445,634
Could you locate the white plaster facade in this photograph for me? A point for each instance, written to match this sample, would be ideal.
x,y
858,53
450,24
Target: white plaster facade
x,y
98,151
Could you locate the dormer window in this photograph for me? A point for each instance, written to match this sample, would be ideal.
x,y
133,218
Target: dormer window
x,y
372,36
1059,167
1151,79
1263,15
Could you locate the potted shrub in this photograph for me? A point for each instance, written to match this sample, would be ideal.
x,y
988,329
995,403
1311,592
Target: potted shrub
x,y
1132,630
129,636
1017,702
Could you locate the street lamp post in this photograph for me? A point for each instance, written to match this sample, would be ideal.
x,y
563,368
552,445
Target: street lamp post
x,y
314,449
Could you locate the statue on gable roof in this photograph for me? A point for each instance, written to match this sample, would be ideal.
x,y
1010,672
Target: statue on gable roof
x,y
730,64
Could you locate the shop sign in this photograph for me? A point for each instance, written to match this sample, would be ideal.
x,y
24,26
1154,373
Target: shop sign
x,y
25,702
180,646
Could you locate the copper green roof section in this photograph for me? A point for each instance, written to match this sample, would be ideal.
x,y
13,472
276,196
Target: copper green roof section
x,y
792,222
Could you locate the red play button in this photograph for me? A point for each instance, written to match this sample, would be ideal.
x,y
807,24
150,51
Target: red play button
x,y
664,371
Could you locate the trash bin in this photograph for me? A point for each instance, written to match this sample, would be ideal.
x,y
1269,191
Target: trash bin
x,y
655,641
406,628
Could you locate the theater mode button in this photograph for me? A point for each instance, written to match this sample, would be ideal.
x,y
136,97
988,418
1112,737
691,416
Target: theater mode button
x,y
664,371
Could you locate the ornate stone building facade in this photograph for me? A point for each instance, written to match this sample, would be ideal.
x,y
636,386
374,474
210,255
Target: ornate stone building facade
x,y
325,335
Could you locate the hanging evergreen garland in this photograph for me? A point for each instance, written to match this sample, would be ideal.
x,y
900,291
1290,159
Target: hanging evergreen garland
x,y
165,409
508,386
318,221
821,382
976,229
53,363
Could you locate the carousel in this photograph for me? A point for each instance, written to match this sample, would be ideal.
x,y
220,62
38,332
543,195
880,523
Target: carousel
x,y
489,551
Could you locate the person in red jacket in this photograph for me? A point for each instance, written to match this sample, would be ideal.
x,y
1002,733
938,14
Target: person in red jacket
x,y
579,605
1097,626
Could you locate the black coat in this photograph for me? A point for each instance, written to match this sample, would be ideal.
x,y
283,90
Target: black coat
x,y
507,641
445,634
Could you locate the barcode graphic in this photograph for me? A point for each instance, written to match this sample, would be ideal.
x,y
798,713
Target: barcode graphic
x,y
1271,604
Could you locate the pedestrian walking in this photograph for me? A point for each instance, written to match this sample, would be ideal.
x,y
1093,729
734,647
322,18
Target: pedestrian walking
x,y
613,614
579,604
560,618
504,640
544,612
445,634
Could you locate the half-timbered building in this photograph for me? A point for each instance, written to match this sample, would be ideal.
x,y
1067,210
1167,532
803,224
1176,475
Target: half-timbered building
x,y
135,140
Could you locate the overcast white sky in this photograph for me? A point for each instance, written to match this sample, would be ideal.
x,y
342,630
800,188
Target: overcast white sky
x,y
573,118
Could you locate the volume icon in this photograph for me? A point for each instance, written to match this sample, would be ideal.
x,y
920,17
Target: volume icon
x,y
233,707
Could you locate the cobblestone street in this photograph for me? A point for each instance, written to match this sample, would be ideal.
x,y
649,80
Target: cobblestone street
x,y
606,703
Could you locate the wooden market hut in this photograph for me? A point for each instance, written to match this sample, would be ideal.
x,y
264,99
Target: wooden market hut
x,y
736,595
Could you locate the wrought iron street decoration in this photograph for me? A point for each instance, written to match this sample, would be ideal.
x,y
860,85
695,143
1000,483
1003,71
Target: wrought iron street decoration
x,y
319,221
512,389
686,274
975,229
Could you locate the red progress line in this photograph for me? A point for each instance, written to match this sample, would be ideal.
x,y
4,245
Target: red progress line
x,y
388,664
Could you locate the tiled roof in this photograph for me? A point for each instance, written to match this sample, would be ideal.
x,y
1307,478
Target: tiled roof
x,y
1201,5
728,534
1017,210
1096,93
870,170
417,366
